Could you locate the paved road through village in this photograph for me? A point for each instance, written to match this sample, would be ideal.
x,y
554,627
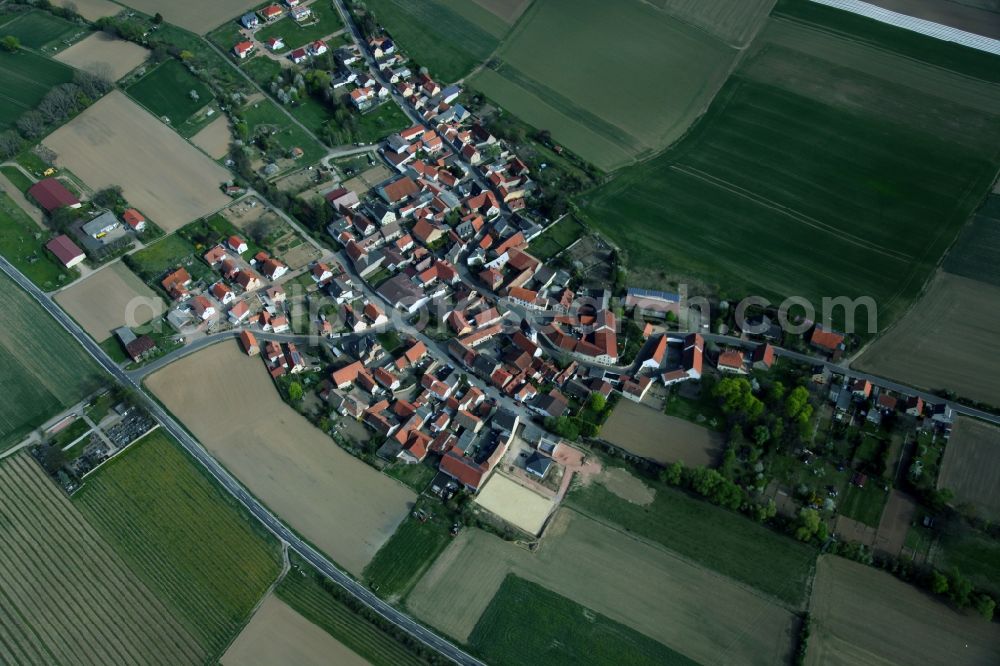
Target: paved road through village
x,y
233,487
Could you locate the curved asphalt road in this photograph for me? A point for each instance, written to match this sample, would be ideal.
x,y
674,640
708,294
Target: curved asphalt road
x,y
233,487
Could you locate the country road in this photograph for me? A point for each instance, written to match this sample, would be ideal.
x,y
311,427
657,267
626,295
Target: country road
x,y
233,487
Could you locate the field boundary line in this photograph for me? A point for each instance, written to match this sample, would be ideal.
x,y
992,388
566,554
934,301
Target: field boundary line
x,y
789,212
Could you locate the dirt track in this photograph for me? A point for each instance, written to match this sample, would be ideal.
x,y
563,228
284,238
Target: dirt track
x,y
116,142
278,635
334,500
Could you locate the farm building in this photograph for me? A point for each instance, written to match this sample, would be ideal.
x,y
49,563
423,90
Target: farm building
x,y
65,250
51,194
101,226
134,219
652,303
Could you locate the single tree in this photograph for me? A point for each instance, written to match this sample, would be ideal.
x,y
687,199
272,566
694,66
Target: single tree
x,y
10,43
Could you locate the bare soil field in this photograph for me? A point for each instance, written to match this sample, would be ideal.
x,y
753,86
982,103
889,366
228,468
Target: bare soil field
x,y
895,523
955,13
702,615
366,180
971,466
666,439
116,142
507,11
68,598
336,501
514,503
861,615
103,54
300,256
623,484
214,138
277,635
194,15
109,298
948,340
93,9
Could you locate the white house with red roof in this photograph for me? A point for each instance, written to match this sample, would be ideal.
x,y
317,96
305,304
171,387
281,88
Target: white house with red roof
x,y
318,48
243,49
275,44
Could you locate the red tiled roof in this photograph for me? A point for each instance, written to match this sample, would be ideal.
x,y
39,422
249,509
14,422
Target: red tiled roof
x,y
463,469
51,194
825,339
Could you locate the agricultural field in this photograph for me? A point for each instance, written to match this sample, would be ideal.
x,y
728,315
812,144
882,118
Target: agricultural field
x,y
975,555
151,262
861,615
971,466
712,536
324,22
735,22
507,11
109,298
311,596
975,253
104,55
166,92
110,144
198,550
412,548
519,625
665,439
67,596
194,15
25,77
699,614
605,116
214,138
518,505
556,238
449,37
279,635
42,31
92,9
22,243
920,351
767,178
334,500
50,370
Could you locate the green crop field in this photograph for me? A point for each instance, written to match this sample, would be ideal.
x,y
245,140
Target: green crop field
x,y
412,548
166,92
304,590
153,261
41,365
66,597
188,540
266,114
24,79
709,535
448,37
974,554
324,21
826,167
41,30
975,253
864,504
556,238
22,243
648,76
528,624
